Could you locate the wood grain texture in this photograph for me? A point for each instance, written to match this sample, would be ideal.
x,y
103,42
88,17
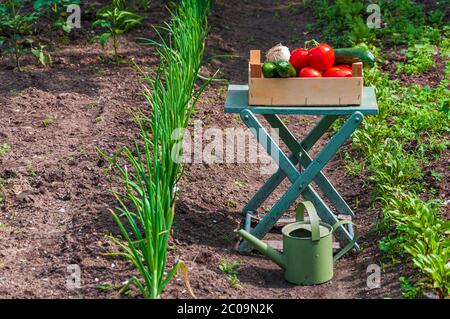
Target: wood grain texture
x,y
357,69
255,56
255,70
305,91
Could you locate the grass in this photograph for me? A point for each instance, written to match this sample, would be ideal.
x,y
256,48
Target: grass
x,y
410,132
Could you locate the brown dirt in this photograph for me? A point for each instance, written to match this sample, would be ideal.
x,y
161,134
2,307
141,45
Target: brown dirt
x,y
55,206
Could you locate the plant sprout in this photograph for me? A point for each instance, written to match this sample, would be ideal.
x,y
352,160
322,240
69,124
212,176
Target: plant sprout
x,y
116,21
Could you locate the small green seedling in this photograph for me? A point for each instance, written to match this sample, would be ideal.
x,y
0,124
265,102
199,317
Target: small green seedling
x,y
232,274
116,21
30,169
231,203
229,269
44,57
46,122
4,148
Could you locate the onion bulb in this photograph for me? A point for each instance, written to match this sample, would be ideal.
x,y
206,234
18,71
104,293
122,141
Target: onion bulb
x,y
278,53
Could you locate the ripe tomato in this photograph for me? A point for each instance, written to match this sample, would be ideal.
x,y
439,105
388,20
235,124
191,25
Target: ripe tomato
x,y
309,72
321,57
299,59
343,66
338,71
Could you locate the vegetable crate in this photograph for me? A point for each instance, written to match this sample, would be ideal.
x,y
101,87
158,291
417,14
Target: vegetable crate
x,y
303,91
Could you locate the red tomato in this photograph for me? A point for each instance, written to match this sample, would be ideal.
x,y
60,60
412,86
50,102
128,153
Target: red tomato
x,y
309,72
338,71
343,66
321,57
299,59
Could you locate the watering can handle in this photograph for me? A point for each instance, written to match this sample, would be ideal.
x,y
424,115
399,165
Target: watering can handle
x,y
349,246
313,218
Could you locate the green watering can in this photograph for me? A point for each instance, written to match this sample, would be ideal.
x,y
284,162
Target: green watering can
x,y
307,257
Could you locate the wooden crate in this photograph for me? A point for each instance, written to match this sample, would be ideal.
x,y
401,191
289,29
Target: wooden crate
x,y
303,91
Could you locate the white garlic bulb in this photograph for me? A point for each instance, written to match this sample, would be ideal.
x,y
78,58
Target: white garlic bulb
x,y
278,53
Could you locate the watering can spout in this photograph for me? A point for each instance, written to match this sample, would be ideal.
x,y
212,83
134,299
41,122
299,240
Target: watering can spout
x,y
273,254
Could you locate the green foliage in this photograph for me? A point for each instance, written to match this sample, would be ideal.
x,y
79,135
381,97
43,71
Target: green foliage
x,y
395,144
228,269
410,291
55,11
419,58
116,21
4,148
232,274
43,56
343,22
47,122
425,238
413,116
150,170
412,126
15,27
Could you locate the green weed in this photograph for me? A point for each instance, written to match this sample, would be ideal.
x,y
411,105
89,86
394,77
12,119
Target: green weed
x,y
232,274
419,58
4,148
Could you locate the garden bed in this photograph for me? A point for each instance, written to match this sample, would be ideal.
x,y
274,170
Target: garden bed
x,y
55,209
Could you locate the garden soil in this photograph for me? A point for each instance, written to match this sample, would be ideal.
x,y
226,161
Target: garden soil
x,y
53,182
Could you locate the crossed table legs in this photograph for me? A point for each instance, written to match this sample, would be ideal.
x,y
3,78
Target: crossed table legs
x,y
300,179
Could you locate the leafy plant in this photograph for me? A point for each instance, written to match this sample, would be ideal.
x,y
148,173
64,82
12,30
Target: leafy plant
x,y
341,22
4,148
43,56
15,26
47,122
116,21
409,290
151,171
232,274
55,11
234,282
228,269
397,143
420,58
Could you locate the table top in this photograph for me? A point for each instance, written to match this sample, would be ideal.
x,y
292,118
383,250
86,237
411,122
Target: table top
x,y
237,100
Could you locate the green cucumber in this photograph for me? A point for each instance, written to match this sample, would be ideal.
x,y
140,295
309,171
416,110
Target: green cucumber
x,y
292,71
269,69
285,69
353,55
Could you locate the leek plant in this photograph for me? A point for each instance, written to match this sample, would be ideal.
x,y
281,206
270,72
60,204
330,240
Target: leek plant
x,y
150,174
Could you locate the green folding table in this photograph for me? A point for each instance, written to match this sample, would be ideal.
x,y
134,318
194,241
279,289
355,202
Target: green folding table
x,y
298,166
